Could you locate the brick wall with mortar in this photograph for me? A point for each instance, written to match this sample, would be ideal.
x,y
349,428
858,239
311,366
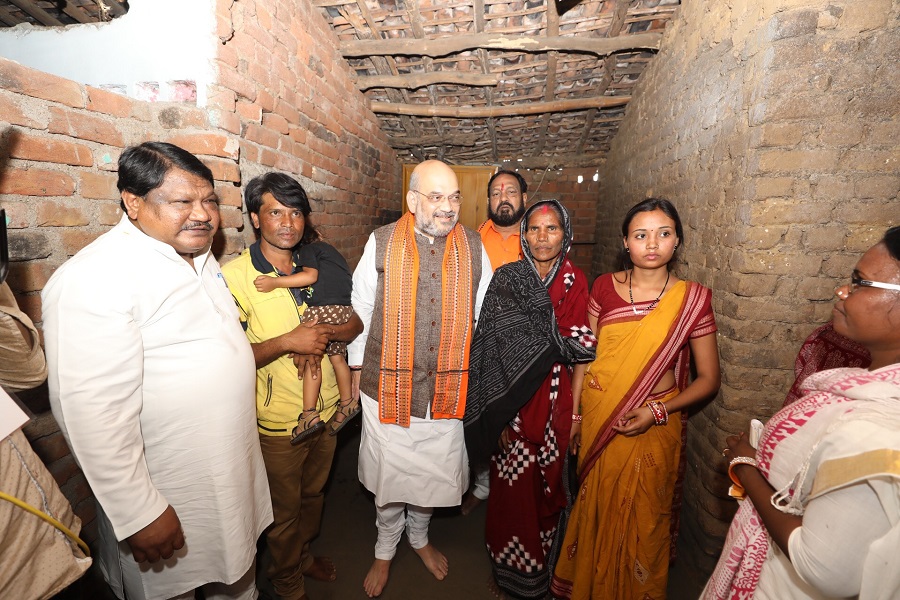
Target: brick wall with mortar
x,y
580,199
285,87
772,126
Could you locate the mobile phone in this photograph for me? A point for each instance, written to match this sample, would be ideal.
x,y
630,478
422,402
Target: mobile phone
x,y
756,428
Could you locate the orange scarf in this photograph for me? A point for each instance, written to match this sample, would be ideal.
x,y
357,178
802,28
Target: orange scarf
x,y
401,275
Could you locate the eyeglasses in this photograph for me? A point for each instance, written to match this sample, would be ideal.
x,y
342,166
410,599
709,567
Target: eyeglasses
x,y
857,282
439,198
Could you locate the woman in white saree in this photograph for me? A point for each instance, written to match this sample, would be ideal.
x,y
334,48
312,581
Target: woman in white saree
x,y
822,514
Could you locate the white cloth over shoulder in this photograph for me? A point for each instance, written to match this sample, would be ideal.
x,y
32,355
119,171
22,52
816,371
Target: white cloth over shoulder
x,y
833,457
152,383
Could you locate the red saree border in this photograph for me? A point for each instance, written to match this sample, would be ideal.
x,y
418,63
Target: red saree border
x,y
671,349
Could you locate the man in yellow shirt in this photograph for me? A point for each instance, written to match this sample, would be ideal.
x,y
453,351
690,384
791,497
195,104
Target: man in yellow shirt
x,y
279,210
507,196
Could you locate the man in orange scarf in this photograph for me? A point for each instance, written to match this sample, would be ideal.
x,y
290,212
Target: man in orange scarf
x,y
418,289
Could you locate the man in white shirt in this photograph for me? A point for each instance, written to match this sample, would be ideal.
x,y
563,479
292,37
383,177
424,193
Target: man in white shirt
x,y
418,289
152,382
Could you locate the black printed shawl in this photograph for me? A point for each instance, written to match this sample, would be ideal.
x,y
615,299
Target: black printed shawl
x,y
516,343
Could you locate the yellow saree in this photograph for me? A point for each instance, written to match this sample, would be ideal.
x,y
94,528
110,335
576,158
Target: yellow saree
x,y
617,542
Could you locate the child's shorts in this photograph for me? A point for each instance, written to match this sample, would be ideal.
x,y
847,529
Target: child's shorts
x,y
331,314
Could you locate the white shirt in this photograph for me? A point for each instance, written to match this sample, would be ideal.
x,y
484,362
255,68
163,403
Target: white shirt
x,y
152,383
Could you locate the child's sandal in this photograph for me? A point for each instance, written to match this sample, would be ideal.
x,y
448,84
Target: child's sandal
x,y
345,412
308,424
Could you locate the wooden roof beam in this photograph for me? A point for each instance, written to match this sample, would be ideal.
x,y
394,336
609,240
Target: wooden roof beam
x,y
417,80
466,140
491,41
78,13
8,18
559,161
38,13
481,112
550,87
383,66
478,8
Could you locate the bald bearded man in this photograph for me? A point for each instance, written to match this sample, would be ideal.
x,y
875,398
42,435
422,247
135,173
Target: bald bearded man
x,y
418,289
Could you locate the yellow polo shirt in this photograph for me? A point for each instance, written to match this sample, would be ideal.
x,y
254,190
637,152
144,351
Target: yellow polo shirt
x,y
279,393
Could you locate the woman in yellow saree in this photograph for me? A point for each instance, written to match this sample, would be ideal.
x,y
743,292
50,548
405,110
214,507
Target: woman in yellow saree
x,y
648,323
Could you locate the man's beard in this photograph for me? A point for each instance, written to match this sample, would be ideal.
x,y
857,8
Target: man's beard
x,y
432,228
509,219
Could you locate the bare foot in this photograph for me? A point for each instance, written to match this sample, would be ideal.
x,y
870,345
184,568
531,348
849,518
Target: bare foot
x,y
434,561
322,569
377,577
470,503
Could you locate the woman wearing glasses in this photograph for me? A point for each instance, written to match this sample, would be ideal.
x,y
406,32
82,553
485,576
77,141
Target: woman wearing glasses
x,y
823,516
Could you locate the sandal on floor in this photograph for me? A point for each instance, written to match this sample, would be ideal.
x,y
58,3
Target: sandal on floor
x,y
308,424
345,411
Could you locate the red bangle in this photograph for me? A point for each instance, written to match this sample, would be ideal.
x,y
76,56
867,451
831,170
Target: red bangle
x,y
577,418
659,412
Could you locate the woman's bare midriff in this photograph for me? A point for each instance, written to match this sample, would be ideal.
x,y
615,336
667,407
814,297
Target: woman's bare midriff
x,y
667,382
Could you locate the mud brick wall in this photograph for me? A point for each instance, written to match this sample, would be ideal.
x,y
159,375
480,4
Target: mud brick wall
x,y
773,128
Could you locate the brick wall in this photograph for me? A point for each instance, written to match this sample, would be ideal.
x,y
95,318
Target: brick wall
x,y
284,85
772,127
59,147
581,201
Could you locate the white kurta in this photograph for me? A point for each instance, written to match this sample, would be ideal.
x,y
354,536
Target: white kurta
x,y
425,464
153,384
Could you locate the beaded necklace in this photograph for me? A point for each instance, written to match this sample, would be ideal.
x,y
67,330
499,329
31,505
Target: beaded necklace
x,y
652,304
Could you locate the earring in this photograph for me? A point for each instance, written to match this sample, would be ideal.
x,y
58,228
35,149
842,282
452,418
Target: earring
x,y
627,250
676,247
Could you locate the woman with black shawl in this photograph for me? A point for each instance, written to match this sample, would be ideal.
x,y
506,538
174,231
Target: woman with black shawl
x,y
527,363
